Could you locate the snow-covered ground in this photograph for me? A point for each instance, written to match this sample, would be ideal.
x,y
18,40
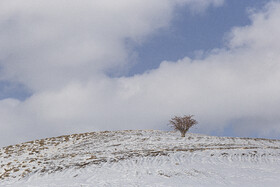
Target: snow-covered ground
x,y
141,158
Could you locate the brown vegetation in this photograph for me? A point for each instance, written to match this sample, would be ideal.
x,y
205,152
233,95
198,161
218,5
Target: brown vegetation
x,y
182,124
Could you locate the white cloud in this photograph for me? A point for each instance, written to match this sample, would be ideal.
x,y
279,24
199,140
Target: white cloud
x,y
61,52
47,44
263,33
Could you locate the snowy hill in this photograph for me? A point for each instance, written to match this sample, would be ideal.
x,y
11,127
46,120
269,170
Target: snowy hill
x,y
141,158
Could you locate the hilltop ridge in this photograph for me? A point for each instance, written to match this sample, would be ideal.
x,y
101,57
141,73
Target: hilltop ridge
x,y
97,150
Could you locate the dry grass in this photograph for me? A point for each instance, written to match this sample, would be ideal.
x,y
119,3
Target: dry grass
x,y
81,150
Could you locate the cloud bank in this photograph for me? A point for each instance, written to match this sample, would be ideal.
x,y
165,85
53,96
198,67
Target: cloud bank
x,y
62,51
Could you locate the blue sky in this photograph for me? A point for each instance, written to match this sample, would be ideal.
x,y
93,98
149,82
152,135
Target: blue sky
x,y
193,32
77,67
188,34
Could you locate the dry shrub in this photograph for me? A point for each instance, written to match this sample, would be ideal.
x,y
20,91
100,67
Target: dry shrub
x,y
182,124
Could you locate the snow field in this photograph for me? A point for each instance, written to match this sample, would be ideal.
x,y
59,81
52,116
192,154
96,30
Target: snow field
x,y
141,158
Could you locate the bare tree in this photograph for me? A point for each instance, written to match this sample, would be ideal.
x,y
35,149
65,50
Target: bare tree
x,y
182,124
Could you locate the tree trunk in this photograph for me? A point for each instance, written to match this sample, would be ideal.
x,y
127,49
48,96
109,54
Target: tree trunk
x,y
183,134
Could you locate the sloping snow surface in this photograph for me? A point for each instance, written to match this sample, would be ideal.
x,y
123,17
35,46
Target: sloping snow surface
x,y
141,158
